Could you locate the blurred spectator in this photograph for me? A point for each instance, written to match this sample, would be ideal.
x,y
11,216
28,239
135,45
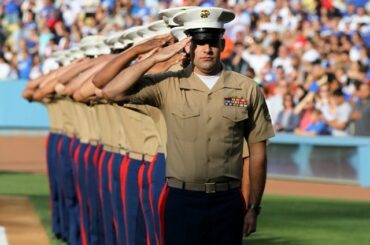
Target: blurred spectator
x,y
75,35
275,102
50,13
306,114
315,127
12,12
227,53
339,111
36,67
255,57
44,37
361,113
237,63
24,65
6,71
29,22
32,42
287,120
283,59
70,11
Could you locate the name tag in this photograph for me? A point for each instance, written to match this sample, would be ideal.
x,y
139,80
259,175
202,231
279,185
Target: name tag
x,y
234,101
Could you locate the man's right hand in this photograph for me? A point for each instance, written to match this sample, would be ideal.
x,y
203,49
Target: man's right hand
x,y
153,43
165,53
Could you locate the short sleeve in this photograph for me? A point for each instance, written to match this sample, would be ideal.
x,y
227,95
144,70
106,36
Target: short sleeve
x,y
149,90
259,126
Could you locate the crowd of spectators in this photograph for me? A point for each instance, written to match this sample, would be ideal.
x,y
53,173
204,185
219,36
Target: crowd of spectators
x,y
310,57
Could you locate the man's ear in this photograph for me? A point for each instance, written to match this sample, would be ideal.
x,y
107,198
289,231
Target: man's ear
x,y
222,44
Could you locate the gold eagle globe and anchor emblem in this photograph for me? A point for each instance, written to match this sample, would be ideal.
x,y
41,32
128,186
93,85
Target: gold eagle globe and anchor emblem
x,y
204,13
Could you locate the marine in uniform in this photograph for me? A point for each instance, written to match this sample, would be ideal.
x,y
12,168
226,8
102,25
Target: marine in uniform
x,y
208,112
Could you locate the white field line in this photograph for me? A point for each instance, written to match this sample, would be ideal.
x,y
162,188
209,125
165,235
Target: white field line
x,y
3,240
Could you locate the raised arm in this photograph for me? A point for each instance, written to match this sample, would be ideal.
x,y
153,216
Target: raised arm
x,y
32,87
78,67
129,76
86,92
122,60
77,81
47,86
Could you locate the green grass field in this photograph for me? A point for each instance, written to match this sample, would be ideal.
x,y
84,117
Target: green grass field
x,y
283,220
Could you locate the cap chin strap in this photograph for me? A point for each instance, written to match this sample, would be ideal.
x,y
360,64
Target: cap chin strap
x,y
205,33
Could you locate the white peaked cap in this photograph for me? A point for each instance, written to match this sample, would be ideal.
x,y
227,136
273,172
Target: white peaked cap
x,y
154,29
98,49
91,40
103,48
59,54
178,32
145,32
204,17
132,34
50,64
113,37
76,53
167,14
159,27
113,41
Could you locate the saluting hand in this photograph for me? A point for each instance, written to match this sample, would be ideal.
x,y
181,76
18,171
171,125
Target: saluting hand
x,y
153,43
165,65
171,50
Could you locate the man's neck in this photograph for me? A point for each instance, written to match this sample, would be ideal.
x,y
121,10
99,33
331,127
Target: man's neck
x,y
214,72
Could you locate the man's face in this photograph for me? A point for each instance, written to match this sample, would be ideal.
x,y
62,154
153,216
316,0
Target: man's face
x,y
205,55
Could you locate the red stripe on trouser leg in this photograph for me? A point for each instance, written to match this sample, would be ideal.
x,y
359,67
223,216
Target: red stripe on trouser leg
x,y
97,155
82,224
75,157
101,176
161,208
86,158
59,147
150,181
110,177
140,183
79,196
123,176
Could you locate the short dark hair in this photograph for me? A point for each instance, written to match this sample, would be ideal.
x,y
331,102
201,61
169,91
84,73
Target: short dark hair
x,y
338,92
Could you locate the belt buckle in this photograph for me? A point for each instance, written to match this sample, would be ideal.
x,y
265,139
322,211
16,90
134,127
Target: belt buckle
x,y
210,187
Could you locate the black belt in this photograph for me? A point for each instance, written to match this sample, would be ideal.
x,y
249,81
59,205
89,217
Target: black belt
x,y
210,187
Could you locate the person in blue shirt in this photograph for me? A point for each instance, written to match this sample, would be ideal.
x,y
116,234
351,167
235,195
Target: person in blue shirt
x,y
24,65
316,127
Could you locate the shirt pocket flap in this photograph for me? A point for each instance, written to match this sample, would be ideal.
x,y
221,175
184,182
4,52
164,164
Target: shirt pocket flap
x,y
186,113
235,114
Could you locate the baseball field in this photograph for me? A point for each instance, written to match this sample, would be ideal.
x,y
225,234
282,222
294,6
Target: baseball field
x,y
285,219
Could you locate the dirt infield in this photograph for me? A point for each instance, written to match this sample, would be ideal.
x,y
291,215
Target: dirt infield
x,y
315,189
23,153
22,225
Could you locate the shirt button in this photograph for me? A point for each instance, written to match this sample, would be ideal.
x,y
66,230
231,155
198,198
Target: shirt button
x,y
209,119
209,139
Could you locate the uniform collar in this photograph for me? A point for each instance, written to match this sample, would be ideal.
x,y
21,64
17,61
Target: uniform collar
x,y
194,82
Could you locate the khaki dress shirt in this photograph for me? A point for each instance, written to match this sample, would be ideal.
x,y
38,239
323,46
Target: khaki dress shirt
x,y
206,127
